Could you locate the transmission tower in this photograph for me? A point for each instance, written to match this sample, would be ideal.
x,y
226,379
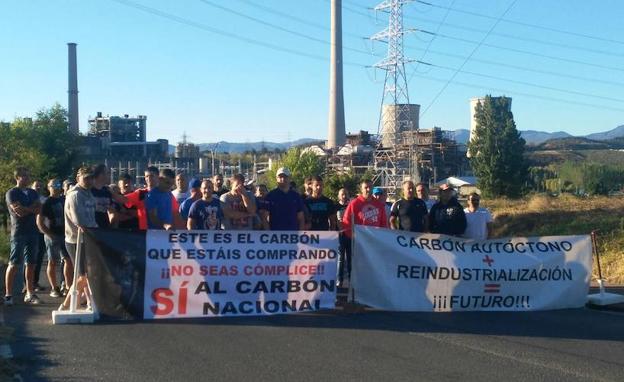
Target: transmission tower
x,y
393,158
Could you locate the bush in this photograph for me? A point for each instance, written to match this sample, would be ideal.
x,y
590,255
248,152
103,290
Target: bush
x,y
4,247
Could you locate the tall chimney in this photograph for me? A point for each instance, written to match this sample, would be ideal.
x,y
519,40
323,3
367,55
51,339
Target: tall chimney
x,y
72,89
336,125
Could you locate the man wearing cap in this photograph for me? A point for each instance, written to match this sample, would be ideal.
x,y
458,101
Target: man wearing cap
x,y
195,195
478,219
24,205
239,206
447,215
409,213
51,222
284,205
381,195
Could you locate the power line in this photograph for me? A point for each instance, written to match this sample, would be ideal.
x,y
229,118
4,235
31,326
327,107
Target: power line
x,y
525,51
523,68
468,58
515,50
429,50
422,57
277,27
505,35
204,27
577,34
513,92
519,38
574,92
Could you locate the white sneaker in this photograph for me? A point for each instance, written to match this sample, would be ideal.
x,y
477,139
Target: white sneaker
x,y
32,299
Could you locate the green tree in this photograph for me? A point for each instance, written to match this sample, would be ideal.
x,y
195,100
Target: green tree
x,y
335,181
497,150
300,165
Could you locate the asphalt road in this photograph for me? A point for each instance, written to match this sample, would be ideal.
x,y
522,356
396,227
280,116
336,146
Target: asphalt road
x,y
566,345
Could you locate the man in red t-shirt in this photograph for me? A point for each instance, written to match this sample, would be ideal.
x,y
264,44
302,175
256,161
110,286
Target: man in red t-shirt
x,y
363,210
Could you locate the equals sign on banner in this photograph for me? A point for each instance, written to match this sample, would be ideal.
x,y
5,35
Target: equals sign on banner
x,y
492,288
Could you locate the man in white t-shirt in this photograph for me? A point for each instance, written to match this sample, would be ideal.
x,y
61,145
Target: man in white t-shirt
x,y
479,220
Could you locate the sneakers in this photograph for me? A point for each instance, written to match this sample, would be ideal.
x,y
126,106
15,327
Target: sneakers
x,y
32,299
56,292
8,300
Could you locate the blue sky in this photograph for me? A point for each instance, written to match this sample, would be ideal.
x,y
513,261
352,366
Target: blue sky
x,y
186,78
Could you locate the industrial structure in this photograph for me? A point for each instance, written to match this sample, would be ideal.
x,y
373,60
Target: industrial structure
x,y
400,150
186,157
336,123
72,89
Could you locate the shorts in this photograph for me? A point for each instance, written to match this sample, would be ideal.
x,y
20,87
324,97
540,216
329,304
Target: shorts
x,y
24,248
71,250
55,247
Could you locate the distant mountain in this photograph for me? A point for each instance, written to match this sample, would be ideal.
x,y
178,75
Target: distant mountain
x,y
236,147
462,136
611,134
533,137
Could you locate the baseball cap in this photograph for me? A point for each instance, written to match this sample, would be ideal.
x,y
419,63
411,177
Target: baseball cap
x,y
195,183
378,191
283,171
445,186
57,185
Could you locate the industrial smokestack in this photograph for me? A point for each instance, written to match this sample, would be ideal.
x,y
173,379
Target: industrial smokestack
x,y
336,125
72,88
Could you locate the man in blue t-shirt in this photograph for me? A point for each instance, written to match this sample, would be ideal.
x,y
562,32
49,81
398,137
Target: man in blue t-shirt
x,y
205,213
24,205
159,202
285,205
195,195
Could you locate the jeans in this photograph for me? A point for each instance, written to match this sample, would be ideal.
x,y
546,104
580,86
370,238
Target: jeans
x,y
24,248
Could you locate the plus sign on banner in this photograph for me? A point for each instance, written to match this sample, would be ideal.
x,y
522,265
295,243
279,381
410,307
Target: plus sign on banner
x,y
407,271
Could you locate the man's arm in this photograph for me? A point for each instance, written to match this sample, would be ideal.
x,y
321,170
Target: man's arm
x,y
43,228
190,223
155,220
249,203
301,220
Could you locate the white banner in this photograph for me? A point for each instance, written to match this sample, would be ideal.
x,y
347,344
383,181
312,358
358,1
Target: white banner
x,y
406,271
237,273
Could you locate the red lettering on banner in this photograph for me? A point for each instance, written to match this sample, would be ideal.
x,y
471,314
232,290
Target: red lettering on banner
x,y
160,298
165,303
181,270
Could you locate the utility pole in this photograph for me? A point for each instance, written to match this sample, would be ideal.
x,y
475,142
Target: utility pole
x,y
391,163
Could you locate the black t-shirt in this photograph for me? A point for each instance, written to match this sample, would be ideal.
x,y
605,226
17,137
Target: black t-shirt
x,y
52,209
103,201
319,210
410,213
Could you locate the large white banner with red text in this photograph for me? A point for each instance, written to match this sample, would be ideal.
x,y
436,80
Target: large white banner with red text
x,y
406,271
238,273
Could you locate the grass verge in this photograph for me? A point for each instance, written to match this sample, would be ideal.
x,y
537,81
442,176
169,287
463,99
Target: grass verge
x,y
541,215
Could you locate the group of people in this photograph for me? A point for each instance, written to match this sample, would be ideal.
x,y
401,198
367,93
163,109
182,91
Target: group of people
x,y
170,201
